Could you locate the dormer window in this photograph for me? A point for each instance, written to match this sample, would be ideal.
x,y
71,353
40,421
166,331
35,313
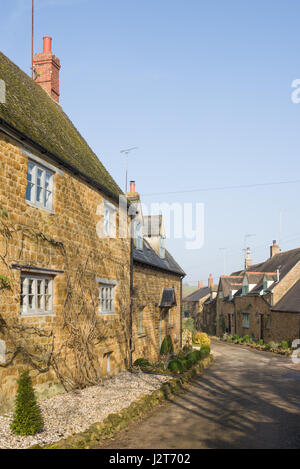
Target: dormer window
x,y
162,248
245,289
139,236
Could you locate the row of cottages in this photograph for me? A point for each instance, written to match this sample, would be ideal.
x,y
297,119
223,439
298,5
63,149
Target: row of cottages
x,y
263,300
78,298
193,306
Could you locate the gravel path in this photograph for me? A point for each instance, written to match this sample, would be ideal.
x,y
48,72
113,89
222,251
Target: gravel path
x,y
75,412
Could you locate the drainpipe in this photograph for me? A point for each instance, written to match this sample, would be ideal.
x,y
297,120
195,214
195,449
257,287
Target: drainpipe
x,y
181,312
131,302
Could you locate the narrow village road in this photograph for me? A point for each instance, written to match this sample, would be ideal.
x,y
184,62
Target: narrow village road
x,y
247,399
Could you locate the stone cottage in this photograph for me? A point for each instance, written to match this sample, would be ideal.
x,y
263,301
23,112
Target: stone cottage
x,y
262,301
157,285
66,267
193,304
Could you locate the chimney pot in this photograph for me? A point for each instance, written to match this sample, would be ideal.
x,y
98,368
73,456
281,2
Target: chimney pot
x,y
200,284
47,44
210,281
132,186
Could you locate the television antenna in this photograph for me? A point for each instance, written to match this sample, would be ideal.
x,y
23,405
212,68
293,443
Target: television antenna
x,y
127,151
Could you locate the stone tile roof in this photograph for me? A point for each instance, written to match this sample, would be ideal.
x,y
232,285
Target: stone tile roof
x,y
198,295
31,111
291,300
148,256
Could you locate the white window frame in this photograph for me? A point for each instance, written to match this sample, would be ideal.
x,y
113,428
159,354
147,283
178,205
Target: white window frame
x,y
162,248
32,200
107,356
139,235
246,320
26,310
106,295
109,220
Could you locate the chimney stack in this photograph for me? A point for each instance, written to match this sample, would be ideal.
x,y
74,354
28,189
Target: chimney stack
x,y
133,195
200,285
210,281
248,261
274,249
46,69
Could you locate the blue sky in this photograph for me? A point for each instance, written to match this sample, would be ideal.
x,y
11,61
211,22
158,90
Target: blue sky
x,y
203,88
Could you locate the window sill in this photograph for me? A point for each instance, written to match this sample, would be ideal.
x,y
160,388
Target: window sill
x,y
142,335
34,314
106,314
32,204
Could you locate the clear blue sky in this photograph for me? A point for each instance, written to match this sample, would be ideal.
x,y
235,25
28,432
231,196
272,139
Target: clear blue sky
x,y
203,88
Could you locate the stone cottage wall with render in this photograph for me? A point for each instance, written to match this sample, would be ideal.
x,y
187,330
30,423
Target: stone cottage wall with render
x,y
72,344
148,286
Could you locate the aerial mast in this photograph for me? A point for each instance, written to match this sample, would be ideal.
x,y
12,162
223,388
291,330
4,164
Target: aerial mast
x,y
32,40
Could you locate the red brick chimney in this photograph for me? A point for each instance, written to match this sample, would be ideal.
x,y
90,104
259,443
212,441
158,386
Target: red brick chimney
x,y
210,281
46,70
200,284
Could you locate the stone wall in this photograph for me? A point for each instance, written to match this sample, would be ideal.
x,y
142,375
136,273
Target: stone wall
x,y
76,337
148,285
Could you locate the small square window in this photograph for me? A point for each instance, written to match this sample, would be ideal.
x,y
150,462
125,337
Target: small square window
x,y
39,190
36,295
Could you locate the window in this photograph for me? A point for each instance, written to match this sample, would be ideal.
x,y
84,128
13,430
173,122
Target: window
x,y
245,290
139,236
162,248
2,351
140,323
36,294
39,189
106,298
107,356
109,220
246,320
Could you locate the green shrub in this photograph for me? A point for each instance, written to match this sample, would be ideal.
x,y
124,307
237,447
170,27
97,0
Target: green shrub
x,y
166,346
261,342
274,345
141,362
235,337
246,339
204,351
240,340
284,344
27,418
176,366
268,347
170,344
192,356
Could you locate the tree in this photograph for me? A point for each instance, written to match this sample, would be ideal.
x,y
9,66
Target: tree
x,y
27,419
